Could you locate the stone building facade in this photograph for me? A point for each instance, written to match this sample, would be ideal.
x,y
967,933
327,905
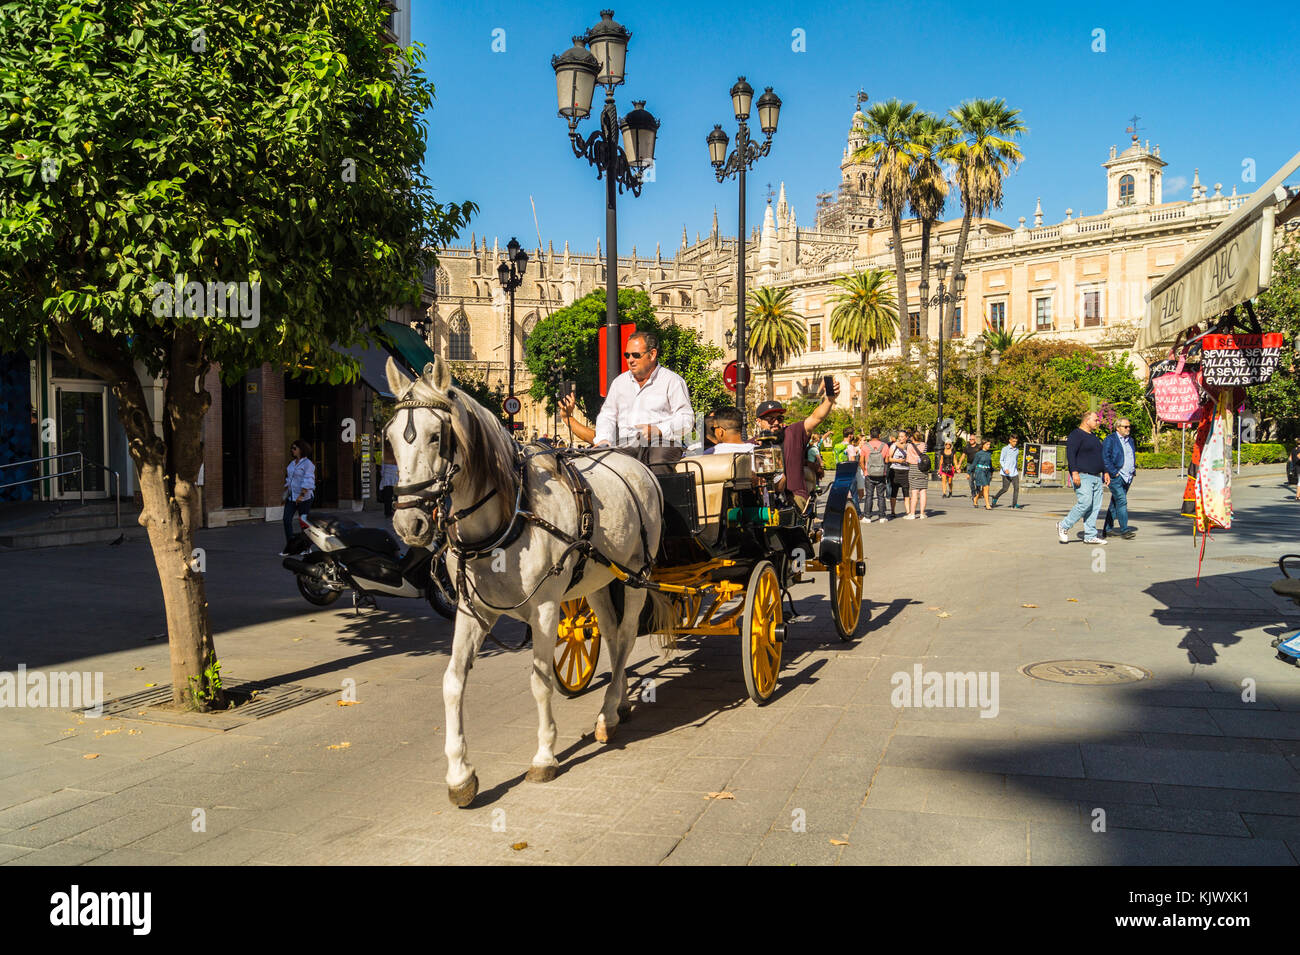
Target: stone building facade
x,y
1080,278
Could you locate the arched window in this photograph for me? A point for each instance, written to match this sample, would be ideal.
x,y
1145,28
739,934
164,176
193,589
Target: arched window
x,y
458,346
526,329
686,298
862,182
442,282
1126,190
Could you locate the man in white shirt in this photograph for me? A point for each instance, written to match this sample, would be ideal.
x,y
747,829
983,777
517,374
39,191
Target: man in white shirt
x,y
1009,466
647,411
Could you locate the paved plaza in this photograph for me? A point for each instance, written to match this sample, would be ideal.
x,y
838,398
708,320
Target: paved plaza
x,y
1188,767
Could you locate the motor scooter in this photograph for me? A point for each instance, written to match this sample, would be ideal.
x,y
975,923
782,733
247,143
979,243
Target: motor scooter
x,y
335,554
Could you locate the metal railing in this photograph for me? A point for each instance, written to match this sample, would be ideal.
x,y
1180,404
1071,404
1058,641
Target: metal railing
x,y
79,470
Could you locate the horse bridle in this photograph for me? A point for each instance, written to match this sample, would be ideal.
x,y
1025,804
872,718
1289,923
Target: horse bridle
x,y
427,495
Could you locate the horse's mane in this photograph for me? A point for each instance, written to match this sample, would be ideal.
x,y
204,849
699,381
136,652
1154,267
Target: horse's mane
x,y
487,452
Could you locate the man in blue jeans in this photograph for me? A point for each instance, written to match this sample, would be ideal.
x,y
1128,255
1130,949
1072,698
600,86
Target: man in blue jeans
x,y
1119,456
1084,460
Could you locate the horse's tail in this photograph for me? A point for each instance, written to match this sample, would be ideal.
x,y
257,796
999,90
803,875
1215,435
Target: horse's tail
x,y
663,620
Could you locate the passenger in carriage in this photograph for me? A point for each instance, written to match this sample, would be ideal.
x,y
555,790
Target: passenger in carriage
x,y
793,439
726,433
648,409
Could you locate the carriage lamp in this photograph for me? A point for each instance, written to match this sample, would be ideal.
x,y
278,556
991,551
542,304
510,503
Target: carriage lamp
x,y
600,57
746,153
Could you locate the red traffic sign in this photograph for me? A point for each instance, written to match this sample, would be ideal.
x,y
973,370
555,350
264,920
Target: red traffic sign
x,y
512,405
730,374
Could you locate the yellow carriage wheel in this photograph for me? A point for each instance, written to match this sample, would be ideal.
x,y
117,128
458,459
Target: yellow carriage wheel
x,y
577,647
762,633
846,577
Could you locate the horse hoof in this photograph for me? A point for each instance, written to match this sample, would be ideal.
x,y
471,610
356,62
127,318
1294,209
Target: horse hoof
x,y
604,732
462,795
541,774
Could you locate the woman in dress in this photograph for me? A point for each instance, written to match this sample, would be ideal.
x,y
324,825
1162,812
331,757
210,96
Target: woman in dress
x,y
918,481
981,473
947,469
299,489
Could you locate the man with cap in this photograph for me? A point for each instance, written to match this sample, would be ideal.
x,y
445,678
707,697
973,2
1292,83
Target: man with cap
x,y
793,439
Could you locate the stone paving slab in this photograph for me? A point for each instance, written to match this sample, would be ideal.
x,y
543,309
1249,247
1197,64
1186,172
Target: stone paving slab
x,y
1185,767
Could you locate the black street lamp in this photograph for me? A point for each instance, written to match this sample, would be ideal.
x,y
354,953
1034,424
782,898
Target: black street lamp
x,y
599,57
746,153
942,298
510,274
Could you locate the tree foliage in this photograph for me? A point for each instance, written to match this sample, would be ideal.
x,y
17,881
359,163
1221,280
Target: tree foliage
x,y
148,145
1278,310
563,346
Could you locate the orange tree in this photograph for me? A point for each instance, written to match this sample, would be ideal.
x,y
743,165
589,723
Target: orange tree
x,y
159,146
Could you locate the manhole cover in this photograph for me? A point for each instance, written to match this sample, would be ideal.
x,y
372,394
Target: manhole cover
x,y
1086,672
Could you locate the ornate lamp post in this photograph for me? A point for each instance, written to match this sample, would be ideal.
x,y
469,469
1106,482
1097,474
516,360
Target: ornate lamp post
x,y
510,273
941,298
599,57
980,372
746,153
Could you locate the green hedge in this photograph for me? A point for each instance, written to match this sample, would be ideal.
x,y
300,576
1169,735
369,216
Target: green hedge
x,y
1250,454
1152,459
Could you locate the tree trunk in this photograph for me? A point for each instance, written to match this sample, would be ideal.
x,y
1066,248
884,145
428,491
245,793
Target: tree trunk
x,y
900,273
947,311
924,304
168,468
771,388
866,371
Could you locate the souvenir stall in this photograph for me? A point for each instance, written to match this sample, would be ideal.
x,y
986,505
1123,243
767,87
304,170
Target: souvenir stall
x,y
1202,313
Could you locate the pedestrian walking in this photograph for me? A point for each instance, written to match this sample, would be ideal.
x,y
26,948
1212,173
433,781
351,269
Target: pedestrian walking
x,y
947,469
875,465
981,473
388,479
1119,457
1009,468
1293,469
1088,474
898,473
299,489
918,476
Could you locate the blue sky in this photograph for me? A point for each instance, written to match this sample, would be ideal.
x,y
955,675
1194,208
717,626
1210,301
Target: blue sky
x,y
1213,86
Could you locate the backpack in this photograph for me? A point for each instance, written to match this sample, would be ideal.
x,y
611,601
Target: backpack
x,y
924,464
876,467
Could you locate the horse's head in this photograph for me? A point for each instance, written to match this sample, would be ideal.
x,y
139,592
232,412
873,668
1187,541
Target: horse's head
x,y
439,435
421,436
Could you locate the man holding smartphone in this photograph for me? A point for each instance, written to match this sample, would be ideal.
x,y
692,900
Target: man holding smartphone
x,y
647,411
793,438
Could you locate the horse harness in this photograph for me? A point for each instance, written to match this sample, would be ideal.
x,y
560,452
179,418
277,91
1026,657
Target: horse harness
x,y
428,496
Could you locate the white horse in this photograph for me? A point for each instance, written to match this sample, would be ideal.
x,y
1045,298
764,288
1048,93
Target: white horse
x,y
447,445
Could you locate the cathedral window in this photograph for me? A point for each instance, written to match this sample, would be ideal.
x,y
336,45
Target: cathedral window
x,y
458,345
441,282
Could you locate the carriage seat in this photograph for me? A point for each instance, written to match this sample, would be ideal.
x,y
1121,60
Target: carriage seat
x,y
712,472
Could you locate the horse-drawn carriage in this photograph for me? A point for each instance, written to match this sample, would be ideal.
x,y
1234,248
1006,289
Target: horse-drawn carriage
x,y
578,545
733,543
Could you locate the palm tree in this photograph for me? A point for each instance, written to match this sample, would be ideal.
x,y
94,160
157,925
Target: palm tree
x,y
1001,341
891,148
864,319
928,190
983,154
776,331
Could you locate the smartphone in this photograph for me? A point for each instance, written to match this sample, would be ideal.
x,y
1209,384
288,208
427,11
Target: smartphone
x,y
828,384
568,388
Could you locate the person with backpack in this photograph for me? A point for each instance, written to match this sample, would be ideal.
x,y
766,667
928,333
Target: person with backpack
x,y
875,466
918,476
